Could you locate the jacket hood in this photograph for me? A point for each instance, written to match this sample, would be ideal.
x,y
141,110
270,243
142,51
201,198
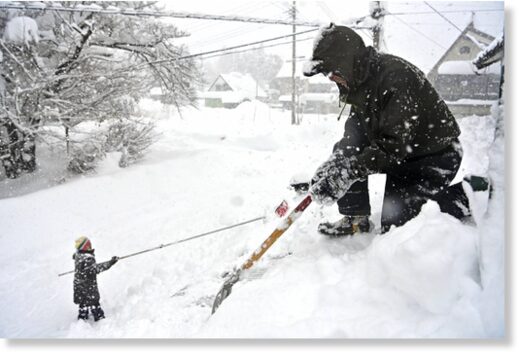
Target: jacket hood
x,y
339,50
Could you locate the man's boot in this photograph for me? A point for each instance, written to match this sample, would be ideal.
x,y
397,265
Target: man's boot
x,y
346,226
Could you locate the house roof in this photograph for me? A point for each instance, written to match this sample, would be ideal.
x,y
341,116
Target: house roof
x,y
242,84
494,52
466,32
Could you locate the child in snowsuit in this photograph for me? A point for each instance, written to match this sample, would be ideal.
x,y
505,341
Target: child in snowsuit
x,y
86,293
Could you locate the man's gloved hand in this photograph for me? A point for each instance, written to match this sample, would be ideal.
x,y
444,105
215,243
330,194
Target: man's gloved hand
x,y
113,260
333,178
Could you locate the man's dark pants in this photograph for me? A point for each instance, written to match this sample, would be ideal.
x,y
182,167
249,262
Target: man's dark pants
x,y
409,185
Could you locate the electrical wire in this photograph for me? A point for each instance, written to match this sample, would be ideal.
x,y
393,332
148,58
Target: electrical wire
x,y
419,32
203,25
128,12
190,56
256,48
443,17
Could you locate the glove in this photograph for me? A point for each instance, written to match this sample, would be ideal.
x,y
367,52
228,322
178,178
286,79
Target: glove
x,y
334,178
113,260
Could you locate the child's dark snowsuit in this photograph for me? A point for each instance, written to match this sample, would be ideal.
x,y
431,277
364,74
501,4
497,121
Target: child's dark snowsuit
x,y
86,293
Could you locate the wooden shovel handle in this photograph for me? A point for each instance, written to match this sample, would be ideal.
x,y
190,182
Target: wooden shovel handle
x,y
278,232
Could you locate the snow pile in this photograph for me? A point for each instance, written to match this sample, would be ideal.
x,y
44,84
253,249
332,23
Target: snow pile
x,y
420,280
492,242
432,260
216,167
477,137
21,30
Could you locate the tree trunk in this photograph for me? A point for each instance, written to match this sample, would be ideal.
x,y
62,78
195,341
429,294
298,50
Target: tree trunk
x,y
19,154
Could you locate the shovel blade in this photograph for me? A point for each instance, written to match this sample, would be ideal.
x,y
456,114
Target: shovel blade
x,y
226,289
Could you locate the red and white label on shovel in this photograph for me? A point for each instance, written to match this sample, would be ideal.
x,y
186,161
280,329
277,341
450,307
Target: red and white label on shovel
x,y
282,209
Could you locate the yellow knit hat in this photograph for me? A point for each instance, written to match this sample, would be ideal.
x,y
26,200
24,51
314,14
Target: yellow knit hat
x,y
83,244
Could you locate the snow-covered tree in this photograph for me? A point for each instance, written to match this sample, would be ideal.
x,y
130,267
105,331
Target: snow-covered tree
x,y
64,68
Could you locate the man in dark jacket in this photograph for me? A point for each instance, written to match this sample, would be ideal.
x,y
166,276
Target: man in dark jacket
x,y
86,293
398,126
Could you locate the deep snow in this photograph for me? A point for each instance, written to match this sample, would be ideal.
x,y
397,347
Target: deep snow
x,y
216,167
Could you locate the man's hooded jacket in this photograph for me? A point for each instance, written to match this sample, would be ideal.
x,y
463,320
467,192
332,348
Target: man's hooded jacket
x,y
396,114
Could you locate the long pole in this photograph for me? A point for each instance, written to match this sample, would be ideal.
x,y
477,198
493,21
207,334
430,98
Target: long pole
x,y
182,240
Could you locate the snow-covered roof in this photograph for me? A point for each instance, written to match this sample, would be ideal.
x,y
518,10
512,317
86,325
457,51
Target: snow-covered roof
x,y
242,87
469,33
492,53
244,84
466,67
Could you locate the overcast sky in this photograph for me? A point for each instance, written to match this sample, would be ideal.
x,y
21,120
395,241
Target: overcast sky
x,y
420,38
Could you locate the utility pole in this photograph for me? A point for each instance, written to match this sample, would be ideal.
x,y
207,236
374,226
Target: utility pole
x,y
377,12
294,106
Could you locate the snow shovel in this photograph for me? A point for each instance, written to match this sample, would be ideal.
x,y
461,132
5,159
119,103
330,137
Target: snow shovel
x,y
234,276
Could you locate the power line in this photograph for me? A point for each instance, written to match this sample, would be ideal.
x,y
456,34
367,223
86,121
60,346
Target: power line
x,y
237,32
417,31
443,16
182,15
189,56
203,25
257,48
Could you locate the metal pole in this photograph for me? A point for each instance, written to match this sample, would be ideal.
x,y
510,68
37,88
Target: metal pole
x,y
377,13
294,118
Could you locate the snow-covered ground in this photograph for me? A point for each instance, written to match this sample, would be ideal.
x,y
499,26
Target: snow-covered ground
x,y
432,278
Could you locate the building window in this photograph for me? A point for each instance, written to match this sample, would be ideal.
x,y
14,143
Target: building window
x,y
465,50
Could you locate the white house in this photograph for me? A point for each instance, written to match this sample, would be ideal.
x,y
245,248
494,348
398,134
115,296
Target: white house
x,y
229,90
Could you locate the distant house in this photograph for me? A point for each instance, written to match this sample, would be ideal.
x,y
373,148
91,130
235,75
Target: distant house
x,y
467,90
315,94
229,90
